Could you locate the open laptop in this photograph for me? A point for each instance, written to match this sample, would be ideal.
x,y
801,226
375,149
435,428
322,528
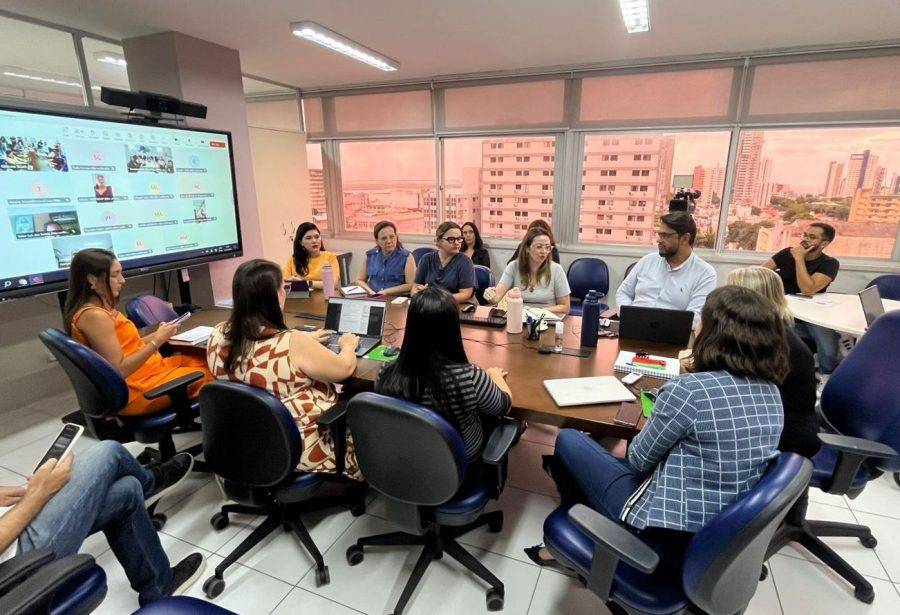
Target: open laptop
x,y
871,304
359,316
658,325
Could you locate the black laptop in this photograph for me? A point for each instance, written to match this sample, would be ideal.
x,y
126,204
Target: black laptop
x,y
657,325
360,316
872,305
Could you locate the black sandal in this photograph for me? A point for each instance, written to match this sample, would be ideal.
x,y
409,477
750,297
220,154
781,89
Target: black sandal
x,y
533,554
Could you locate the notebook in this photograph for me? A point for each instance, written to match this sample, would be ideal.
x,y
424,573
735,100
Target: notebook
x,y
649,365
197,336
583,391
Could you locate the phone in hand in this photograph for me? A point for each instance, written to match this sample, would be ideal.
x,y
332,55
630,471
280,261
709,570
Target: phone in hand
x,y
62,444
180,319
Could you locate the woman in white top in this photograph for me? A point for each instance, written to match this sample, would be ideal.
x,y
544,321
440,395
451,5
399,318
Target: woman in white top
x,y
542,281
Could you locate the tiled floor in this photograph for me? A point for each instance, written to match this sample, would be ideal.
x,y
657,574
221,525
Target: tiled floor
x,y
277,577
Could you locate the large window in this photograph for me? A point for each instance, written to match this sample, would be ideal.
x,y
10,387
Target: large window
x,y
784,179
317,185
501,184
389,180
629,179
106,66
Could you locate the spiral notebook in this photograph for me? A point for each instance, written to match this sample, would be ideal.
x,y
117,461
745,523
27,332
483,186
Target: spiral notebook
x,y
649,365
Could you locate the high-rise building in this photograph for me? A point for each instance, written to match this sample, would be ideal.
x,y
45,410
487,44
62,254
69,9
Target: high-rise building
x,y
860,172
870,207
317,198
764,197
894,186
878,180
833,180
747,168
710,181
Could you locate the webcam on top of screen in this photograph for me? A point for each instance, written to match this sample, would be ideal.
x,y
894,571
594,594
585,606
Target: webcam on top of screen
x,y
154,104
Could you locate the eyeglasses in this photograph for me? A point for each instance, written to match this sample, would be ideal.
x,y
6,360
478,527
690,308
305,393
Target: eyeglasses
x,y
453,239
811,237
665,235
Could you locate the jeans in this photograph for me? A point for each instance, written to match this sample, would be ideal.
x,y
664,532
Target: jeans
x,y
106,493
826,341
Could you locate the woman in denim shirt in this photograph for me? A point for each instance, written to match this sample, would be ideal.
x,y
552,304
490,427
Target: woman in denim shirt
x,y
389,268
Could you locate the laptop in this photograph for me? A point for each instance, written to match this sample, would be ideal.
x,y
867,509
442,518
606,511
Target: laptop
x,y
359,316
590,390
299,290
871,304
657,325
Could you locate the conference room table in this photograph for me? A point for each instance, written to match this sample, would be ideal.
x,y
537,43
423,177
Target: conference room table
x,y
488,347
836,311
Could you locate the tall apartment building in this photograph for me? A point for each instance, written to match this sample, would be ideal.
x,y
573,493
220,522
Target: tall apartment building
x,y
833,180
878,180
317,198
746,187
764,191
710,181
860,172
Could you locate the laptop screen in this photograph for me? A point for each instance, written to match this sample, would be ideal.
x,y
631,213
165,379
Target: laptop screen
x,y
355,316
871,304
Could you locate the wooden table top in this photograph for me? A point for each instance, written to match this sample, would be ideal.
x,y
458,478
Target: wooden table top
x,y
487,347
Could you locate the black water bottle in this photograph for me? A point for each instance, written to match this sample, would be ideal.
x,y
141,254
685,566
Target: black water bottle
x,y
590,319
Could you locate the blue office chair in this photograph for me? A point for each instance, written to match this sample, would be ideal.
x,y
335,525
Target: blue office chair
x,y
250,440
483,279
715,571
182,605
145,310
860,408
628,269
587,274
417,461
418,253
888,286
37,582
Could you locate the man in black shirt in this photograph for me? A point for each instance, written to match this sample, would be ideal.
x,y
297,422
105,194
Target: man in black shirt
x,y
806,270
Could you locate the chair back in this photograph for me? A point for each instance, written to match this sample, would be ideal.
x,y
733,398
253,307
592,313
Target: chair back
x,y
406,451
588,274
888,286
100,388
721,566
249,437
418,253
483,279
860,399
628,269
145,310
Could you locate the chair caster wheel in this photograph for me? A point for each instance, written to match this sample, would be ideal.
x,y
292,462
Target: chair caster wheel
x,y
865,594
219,521
494,600
354,555
159,521
495,527
322,576
213,586
869,542
764,573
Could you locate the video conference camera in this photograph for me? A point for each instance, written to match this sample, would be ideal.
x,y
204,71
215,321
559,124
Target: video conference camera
x,y
684,200
156,104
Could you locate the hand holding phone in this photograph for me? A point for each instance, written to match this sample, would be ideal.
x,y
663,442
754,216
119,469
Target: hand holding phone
x,y
180,319
62,444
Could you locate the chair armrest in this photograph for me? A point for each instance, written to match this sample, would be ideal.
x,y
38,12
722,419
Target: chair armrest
x,y
335,419
34,594
22,566
852,452
171,388
502,439
333,415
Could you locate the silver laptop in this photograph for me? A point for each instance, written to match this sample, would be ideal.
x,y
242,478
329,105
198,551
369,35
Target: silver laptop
x,y
359,316
871,304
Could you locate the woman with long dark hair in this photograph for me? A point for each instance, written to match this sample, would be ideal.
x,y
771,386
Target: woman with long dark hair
x,y
389,268
538,223
310,256
91,318
254,346
433,370
446,267
710,438
473,246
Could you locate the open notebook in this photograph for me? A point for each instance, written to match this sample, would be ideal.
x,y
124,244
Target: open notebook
x,y
649,365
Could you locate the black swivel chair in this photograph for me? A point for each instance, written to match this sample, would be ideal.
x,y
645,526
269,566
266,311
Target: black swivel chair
x,y
36,582
417,461
250,441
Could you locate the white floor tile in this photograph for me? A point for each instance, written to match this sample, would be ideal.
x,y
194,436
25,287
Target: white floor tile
x,y
815,495
10,479
374,585
189,519
247,591
556,593
862,559
804,587
525,468
26,425
887,531
765,600
22,460
302,602
881,496
57,405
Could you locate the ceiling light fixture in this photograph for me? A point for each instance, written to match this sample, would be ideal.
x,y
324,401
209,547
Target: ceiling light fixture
x,y
321,35
636,15
53,80
110,57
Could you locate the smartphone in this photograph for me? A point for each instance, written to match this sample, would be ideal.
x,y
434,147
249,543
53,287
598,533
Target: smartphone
x,y
629,414
63,443
180,319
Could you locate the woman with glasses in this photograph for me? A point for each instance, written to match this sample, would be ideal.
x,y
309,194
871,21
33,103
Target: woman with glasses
x,y
447,267
543,282
538,223
389,268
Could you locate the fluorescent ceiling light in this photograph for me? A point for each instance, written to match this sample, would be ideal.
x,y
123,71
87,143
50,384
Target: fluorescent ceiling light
x,y
110,57
636,15
321,35
31,77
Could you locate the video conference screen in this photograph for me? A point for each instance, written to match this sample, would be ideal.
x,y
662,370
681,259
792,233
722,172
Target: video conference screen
x,y
156,196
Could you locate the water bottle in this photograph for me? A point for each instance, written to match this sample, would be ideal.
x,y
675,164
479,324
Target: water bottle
x,y
514,307
590,319
560,329
328,281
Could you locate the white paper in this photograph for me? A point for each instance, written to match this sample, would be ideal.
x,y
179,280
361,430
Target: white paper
x,y
193,336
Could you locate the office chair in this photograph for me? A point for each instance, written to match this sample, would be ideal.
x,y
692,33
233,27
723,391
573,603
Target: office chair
x,y
417,461
628,269
182,605
251,442
888,286
714,571
483,279
418,253
37,582
861,410
587,274
145,310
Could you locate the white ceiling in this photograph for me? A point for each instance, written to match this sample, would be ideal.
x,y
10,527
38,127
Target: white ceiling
x,y
441,37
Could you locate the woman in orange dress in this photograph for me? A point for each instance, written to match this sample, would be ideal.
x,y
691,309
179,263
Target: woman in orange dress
x,y
91,318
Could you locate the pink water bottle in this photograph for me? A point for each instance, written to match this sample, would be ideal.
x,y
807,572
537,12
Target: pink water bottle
x,y
514,307
328,280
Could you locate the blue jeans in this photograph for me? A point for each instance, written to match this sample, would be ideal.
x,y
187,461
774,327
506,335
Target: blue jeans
x,y
826,341
106,493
